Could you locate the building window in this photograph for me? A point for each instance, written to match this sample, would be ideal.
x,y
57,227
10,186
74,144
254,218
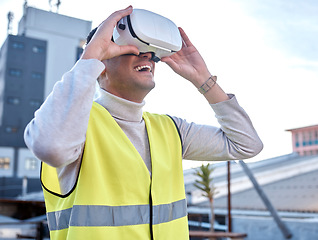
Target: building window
x,y
13,100
296,136
38,49
297,144
31,164
4,163
37,75
17,45
35,103
11,129
310,138
15,72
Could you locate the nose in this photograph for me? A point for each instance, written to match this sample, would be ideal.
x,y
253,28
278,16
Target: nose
x,y
147,55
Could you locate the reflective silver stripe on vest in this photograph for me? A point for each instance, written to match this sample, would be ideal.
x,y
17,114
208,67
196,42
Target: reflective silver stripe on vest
x,y
114,216
168,212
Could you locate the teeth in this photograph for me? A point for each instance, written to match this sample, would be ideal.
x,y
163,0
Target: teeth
x,y
142,67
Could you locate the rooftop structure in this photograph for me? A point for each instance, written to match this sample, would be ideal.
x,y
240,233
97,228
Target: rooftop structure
x,y
305,140
290,182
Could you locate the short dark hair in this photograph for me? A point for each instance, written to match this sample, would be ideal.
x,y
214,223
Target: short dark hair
x,y
90,35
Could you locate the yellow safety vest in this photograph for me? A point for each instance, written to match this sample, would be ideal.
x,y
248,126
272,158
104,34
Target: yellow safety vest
x,y
114,196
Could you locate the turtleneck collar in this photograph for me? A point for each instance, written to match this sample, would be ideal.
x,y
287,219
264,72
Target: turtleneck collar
x,y
120,108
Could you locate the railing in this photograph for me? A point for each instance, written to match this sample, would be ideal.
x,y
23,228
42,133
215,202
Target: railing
x,y
217,235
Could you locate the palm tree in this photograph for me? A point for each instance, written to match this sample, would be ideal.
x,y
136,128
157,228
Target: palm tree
x,y
204,183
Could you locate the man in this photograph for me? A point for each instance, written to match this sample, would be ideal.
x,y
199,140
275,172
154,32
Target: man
x,y
111,171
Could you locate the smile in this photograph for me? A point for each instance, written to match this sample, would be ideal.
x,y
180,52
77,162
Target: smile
x,y
143,68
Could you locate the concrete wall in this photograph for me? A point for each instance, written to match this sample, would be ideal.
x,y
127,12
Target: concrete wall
x,y
3,62
265,228
63,34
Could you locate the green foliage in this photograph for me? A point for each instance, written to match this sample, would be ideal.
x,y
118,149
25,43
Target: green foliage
x,y
205,184
205,181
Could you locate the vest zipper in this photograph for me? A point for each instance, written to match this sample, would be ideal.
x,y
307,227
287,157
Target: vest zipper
x,y
151,216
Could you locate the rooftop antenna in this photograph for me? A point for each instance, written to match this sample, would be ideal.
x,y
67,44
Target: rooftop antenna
x,y
10,19
58,5
50,4
25,6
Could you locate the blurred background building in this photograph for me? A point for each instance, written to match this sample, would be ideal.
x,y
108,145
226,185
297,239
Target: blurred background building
x,y
305,140
290,182
46,46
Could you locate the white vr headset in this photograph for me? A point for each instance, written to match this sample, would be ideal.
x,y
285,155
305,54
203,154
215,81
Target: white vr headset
x,y
149,32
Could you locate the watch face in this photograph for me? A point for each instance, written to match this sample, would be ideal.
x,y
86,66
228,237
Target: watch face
x,y
208,84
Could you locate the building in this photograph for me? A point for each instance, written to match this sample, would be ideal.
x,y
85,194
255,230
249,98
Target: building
x,y
290,182
23,62
65,37
47,45
305,140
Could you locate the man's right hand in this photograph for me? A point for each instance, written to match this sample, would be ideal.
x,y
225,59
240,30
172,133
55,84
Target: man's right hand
x,y
101,46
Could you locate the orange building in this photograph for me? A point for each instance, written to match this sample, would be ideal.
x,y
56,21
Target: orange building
x,y
305,140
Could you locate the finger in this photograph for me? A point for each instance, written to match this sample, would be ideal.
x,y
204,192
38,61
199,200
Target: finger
x,y
165,59
170,62
128,49
183,44
116,16
185,39
106,28
117,50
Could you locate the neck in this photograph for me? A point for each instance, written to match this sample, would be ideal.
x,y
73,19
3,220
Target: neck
x,y
120,108
130,89
130,95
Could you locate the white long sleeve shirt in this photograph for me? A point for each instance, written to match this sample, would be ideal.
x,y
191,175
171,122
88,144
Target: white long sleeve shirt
x,y
56,135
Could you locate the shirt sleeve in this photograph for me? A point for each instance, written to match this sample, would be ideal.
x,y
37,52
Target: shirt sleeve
x,y
57,132
235,139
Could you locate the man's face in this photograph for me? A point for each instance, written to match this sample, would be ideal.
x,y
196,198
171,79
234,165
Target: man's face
x,y
129,76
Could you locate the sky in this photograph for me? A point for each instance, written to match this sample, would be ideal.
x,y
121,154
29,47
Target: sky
x,y
264,52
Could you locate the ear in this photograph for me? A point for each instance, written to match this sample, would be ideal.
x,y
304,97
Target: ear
x,y
101,76
104,71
